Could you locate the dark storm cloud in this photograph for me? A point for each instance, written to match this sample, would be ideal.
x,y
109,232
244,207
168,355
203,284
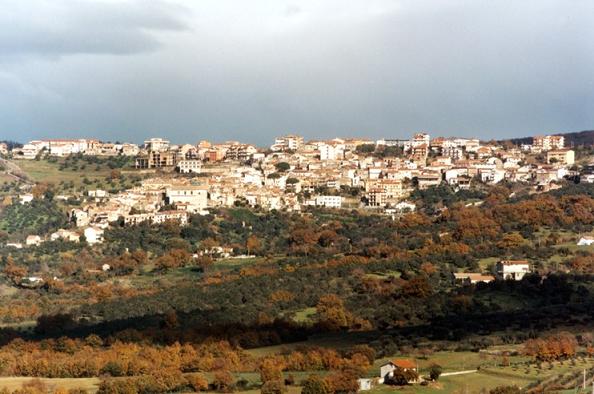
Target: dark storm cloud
x,y
249,70
66,27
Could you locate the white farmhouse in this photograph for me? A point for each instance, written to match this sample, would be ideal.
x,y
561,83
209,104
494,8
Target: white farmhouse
x,y
93,235
585,241
25,198
33,240
512,269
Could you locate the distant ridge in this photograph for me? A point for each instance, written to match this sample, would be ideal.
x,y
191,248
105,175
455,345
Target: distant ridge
x,y
578,138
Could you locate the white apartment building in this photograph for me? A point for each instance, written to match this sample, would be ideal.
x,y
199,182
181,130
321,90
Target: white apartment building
x,y
548,142
329,201
156,144
331,152
189,166
195,197
420,139
287,142
28,152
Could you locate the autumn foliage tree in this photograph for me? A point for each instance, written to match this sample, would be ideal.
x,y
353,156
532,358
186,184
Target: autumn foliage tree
x,y
315,385
332,314
559,346
253,244
270,369
14,272
175,258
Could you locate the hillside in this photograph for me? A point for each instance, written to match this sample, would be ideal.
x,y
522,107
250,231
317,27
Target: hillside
x,y
585,137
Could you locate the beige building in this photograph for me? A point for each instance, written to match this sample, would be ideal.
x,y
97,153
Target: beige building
x,y
548,142
561,156
194,197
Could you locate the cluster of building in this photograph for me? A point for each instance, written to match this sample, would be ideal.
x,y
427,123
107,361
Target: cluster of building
x,y
233,170
504,270
67,147
293,173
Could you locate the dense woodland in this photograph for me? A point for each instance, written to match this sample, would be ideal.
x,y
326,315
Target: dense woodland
x,y
166,313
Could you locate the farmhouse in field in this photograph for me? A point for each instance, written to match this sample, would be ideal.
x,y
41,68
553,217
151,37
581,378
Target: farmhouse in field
x,y
387,369
512,269
466,278
585,241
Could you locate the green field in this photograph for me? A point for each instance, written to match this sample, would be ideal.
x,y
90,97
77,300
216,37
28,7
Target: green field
x,y
83,176
44,171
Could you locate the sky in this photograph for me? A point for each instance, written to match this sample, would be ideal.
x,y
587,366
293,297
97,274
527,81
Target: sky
x,y
127,70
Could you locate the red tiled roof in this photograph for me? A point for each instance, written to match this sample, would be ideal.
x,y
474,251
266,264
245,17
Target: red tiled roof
x,y
404,364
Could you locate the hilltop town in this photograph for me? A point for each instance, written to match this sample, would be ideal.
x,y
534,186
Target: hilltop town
x,y
336,266
292,174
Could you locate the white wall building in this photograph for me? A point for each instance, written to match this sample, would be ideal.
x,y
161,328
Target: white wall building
x,y
189,166
329,201
93,235
512,269
196,197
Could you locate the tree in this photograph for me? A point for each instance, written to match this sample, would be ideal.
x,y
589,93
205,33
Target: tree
x,y
173,259
418,287
223,381
332,313
506,390
207,244
315,385
282,166
203,262
434,371
253,244
115,174
270,369
198,382
343,382
511,241
273,387
14,272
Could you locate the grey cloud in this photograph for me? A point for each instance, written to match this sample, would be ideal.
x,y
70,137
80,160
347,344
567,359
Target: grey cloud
x,y
232,69
67,27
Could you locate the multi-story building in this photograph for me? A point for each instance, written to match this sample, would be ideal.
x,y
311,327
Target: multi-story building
x,y
420,153
331,151
157,159
420,139
428,179
328,201
240,152
189,166
157,217
156,144
130,149
194,197
561,156
393,142
287,143
28,151
548,142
